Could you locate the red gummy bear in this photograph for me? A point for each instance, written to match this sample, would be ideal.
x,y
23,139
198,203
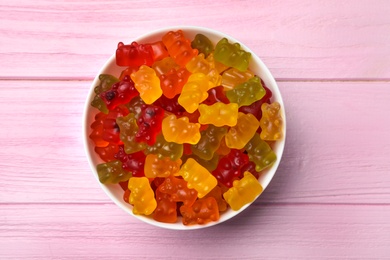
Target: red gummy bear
x,y
133,163
178,190
121,92
107,153
173,81
166,208
134,54
201,212
149,124
104,128
229,167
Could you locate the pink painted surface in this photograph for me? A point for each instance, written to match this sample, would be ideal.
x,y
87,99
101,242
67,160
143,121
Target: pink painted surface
x,y
331,195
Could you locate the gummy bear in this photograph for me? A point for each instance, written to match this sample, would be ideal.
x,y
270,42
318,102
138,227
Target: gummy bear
x,y
260,153
243,191
163,66
199,64
159,51
232,55
216,193
149,124
219,114
170,105
147,83
201,212
107,153
271,122
141,196
216,94
197,177
178,190
240,134
105,83
104,128
173,81
134,54
233,77
166,208
194,92
133,162
163,148
128,130
97,132
209,142
164,167
202,44
120,93
229,166
246,93
179,48
180,130
112,172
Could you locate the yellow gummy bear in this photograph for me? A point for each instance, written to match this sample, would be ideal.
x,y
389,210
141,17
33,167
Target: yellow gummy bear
x,y
147,83
180,130
271,122
243,191
141,196
240,134
197,177
160,167
218,114
202,65
194,92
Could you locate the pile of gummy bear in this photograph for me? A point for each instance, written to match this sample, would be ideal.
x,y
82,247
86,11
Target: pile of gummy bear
x,y
186,129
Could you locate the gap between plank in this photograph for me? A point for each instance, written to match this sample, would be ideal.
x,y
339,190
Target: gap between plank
x,y
277,79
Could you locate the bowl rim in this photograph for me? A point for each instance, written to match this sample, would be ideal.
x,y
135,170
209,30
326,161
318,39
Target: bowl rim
x,y
270,83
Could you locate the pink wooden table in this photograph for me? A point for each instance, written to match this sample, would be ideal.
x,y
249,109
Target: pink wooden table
x,y
331,195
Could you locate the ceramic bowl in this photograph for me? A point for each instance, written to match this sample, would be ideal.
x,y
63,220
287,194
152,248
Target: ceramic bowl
x,y
115,192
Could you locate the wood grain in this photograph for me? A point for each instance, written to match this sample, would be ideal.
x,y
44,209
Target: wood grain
x,y
329,199
277,232
296,39
335,151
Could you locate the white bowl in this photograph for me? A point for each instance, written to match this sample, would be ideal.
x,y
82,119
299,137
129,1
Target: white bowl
x,y
115,192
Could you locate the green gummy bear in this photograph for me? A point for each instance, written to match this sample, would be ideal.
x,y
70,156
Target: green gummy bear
x,y
246,93
231,55
128,129
209,142
112,172
260,153
202,44
163,148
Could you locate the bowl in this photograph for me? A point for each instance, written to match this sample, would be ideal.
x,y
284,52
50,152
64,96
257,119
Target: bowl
x,y
115,192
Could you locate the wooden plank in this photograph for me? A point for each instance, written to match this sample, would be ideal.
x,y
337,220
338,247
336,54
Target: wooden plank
x,y
298,40
45,231
336,152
